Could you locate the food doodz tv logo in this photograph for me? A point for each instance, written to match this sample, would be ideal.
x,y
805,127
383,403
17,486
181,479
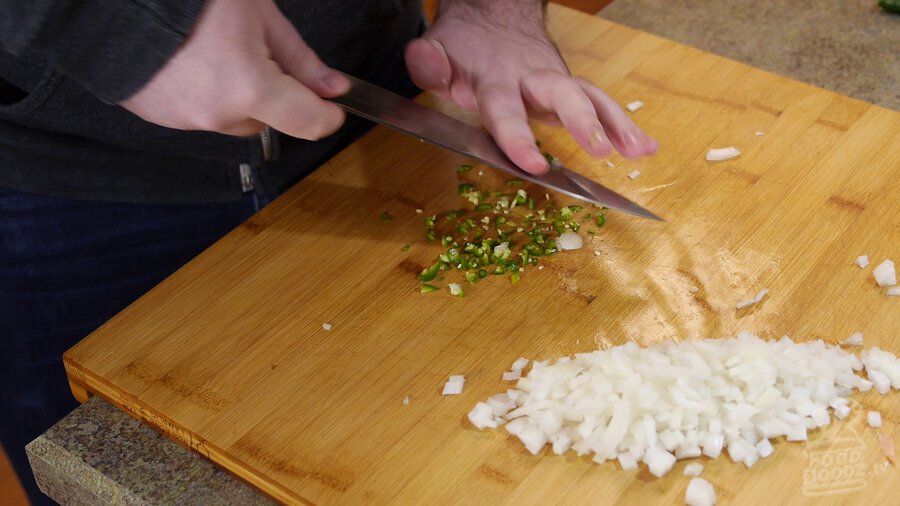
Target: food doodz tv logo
x,y
837,465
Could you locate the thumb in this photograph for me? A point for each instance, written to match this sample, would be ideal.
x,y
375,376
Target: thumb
x,y
429,65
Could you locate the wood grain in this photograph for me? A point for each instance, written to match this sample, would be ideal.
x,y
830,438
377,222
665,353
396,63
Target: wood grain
x,y
228,356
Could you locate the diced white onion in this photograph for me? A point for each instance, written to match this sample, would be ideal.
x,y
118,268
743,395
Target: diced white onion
x,y
569,241
610,164
693,469
700,493
893,291
721,154
873,418
862,261
634,106
627,461
406,401
764,448
326,326
885,274
511,375
454,385
634,174
452,388
854,339
759,133
678,400
755,300
482,416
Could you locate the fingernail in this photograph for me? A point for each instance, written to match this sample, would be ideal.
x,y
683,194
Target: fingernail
x,y
334,81
597,140
538,160
632,140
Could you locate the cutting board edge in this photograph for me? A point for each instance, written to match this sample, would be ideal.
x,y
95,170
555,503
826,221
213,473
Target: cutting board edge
x,y
84,384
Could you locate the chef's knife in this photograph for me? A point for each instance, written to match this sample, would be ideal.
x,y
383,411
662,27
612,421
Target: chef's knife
x,y
387,108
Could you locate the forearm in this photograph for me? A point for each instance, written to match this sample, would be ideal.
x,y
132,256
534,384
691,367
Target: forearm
x,y
110,48
511,13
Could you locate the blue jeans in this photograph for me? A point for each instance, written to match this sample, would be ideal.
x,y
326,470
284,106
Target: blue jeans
x,y
67,266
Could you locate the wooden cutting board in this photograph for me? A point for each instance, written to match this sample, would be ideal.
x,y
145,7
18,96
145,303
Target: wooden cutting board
x,y
229,356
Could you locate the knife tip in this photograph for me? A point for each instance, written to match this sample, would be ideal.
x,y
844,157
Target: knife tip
x,y
640,211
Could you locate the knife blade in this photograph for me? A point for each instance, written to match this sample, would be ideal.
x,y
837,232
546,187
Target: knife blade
x,y
387,108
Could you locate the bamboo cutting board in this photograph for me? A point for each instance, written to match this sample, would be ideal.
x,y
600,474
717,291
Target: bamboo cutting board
x,y
229,356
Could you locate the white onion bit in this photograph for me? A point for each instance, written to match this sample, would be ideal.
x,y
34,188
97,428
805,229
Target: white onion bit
x,y
759,133
634,106
721,154
511,375
693,469
634,174
327,326
700,493
885,274
610,164
854,339
893,291
862,261
454,385
755,300
569,241
680,400
874,419
406,401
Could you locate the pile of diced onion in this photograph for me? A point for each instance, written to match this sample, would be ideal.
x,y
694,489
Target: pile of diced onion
x,y
679,400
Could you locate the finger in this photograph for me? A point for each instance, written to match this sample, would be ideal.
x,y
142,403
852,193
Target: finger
x,y
290,107
297,59
429,65
505,118
553,91
624,134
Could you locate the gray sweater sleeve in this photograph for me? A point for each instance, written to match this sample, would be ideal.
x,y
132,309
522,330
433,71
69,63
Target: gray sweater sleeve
x,y
110,47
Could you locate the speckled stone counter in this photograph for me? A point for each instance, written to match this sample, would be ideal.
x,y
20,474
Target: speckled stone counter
x,y
100,455
848,46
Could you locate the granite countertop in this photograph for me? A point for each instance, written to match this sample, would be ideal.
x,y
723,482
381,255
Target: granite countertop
x,y
848,46
99,455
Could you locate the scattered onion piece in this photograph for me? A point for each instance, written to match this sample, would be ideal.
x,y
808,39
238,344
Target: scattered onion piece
x,y
454,385
610,164
634,106
855,339
873,418
569,241
634,174
700,493
893,291
862,261
759,133
721,154
755,300
327,326
511,375
406,401
885,274
693,469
